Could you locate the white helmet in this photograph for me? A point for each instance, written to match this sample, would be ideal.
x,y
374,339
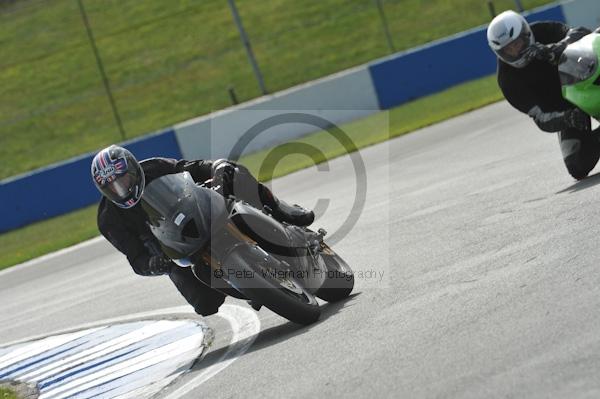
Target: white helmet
x,y
510,36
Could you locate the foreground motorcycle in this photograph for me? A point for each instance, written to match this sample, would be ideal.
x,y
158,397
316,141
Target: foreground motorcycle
x,y
580,75
244,252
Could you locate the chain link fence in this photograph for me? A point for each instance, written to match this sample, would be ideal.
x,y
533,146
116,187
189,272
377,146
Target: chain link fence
x,y
168,61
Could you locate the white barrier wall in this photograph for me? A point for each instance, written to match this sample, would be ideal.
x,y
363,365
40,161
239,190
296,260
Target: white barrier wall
x,y
582,13
338,98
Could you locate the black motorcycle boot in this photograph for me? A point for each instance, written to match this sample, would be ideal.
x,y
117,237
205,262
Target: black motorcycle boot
x,y
293,214
284,212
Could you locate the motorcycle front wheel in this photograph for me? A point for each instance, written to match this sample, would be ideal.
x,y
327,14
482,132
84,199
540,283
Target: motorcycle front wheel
x,y
339,282
261,278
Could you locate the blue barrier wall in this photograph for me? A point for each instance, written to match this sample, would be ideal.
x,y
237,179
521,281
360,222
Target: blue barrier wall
x,y
438,66
67,186
402,77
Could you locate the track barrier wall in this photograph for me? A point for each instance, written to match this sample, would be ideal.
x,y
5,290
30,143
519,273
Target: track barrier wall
x,y
441,64
582,13
338,98
342,97
64,187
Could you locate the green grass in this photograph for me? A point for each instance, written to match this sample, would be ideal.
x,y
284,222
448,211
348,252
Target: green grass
x,y
6,393
43,237
168,61
47,236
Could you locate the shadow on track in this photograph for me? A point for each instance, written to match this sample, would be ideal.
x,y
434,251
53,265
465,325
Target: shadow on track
x,y
277,334
280,333
588,182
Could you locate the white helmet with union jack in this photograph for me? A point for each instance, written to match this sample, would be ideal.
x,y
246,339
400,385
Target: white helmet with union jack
x,y
118,176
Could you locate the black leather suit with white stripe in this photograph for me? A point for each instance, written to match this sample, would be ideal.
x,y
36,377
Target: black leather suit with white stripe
x,y
536,90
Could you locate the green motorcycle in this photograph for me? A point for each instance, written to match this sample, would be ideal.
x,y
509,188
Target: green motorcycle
x,y
580,74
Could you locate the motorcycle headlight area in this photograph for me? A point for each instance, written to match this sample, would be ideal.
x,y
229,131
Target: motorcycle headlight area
x,y
577,65
183,262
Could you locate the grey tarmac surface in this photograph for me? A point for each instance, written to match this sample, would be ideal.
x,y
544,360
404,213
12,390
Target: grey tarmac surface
x,y
478,258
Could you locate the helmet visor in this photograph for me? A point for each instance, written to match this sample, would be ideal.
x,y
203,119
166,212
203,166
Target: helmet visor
x,y
122,186
516,50
125,189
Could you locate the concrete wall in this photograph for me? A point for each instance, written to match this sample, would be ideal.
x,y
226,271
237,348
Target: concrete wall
x,y
582,13
66,186
437,66
338,98
282,116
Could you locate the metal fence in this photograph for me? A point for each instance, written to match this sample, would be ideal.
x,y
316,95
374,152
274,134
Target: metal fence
x,y
78,74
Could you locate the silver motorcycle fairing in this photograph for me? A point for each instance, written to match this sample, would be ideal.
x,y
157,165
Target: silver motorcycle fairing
x,y
182,215
288,243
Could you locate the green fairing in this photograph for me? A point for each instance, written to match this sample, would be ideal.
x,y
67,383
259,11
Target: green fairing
x,y
585,94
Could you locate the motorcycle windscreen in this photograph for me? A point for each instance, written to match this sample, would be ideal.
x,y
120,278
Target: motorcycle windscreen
x,y
577,65
181,214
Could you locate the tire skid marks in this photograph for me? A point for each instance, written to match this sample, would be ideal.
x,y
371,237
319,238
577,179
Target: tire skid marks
x,y
29,368
139,357
101,350
25,352
121,369
114,358
245,327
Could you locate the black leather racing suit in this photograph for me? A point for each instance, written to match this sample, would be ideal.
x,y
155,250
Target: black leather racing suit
x,y
127,229
536,91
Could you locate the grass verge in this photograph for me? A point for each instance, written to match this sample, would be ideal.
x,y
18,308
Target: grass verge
x,y
168,61
50,235
6,393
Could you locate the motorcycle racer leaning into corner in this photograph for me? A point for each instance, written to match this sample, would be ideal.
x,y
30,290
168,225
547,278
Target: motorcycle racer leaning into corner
x,y
528,76
122,221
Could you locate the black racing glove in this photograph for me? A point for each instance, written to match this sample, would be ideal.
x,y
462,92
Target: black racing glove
x,y
551,52
546,52
223,176
158,265
577,119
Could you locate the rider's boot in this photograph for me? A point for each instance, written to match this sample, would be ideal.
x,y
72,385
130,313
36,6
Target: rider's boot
x,y
284,212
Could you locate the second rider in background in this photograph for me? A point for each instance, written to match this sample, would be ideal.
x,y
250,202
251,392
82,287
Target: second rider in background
x,y
528,77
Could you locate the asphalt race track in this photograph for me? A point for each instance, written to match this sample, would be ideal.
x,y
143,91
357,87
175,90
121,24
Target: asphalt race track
x,y
477,260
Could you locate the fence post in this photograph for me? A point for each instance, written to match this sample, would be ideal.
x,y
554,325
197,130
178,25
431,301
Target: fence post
x,y
246,41
519,5
105,81
386,28
232,95
491,8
